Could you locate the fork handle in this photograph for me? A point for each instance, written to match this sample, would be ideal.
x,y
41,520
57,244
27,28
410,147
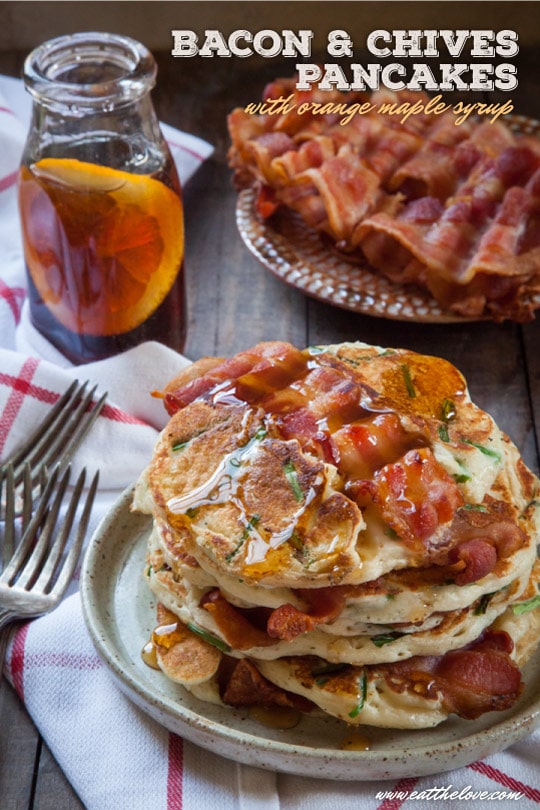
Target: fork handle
x,y
6,616
4,637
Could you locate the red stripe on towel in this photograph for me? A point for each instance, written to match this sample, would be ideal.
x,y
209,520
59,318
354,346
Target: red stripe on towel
x,y
8,181
175,772
14,297
399,794
21,385
17,660
506,780
117,415
187,149
20,388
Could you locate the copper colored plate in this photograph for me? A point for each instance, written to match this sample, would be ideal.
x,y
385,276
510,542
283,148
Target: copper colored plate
x,y
299,256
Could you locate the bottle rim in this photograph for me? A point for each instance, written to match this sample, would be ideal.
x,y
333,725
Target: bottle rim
x,y
45,68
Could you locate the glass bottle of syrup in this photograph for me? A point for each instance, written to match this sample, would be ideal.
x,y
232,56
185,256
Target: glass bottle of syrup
x,y
100,201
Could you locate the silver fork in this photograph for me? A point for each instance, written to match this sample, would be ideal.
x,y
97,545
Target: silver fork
x,y
37,574
56,438
13,497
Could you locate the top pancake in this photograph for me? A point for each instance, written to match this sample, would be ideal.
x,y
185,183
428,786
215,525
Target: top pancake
x,y
290,469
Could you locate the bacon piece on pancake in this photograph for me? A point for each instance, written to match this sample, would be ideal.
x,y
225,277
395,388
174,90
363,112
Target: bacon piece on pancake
x,y
479,678
239,626
235,627
247,687
268,359
480,548
365,446
325,605
301,424
478,558
414,495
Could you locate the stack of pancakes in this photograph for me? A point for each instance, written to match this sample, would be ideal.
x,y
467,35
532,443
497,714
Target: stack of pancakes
x,y
341,529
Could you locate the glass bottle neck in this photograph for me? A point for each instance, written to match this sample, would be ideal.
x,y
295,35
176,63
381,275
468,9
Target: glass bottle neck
x,y
129,138
89,72
91,95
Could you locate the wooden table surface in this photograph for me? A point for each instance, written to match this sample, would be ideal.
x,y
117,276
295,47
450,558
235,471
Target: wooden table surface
x,y
234,302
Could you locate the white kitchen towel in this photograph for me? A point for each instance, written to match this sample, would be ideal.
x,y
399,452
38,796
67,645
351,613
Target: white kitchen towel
x,y
115,756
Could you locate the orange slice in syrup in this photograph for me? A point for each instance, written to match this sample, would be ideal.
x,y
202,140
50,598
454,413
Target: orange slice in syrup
x,y
103,246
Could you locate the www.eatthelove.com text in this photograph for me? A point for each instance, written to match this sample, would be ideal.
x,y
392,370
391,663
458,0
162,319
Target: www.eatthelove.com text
x,y
449,793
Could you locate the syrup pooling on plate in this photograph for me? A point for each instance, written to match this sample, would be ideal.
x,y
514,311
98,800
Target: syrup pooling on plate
x,y
356,742
275,717
149,655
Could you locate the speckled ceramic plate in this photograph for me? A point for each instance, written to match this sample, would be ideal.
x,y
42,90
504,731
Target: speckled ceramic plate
x,y
120,613
299,256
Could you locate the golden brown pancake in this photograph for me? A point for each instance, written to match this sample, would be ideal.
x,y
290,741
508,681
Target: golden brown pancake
x,y
349,506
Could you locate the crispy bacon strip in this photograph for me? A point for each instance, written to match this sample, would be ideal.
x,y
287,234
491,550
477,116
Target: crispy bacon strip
x,y
470,681
285,622
482,540
433,171
478,557
264,360
474,251
325,605
239,632
349,191
415,495
309,155
367,445
245,686
356,183
267,203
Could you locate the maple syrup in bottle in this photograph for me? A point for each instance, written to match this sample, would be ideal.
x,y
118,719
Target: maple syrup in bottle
x,y
100,201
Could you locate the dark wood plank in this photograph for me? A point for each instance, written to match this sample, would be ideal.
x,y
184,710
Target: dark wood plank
x,y
531,354
19,749
233,301
52,790
29,775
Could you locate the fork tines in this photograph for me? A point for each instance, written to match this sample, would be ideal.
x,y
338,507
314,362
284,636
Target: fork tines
x,y
17,502
41,567
56,438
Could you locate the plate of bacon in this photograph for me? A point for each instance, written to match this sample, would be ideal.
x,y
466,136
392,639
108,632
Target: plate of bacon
x,y
423,220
